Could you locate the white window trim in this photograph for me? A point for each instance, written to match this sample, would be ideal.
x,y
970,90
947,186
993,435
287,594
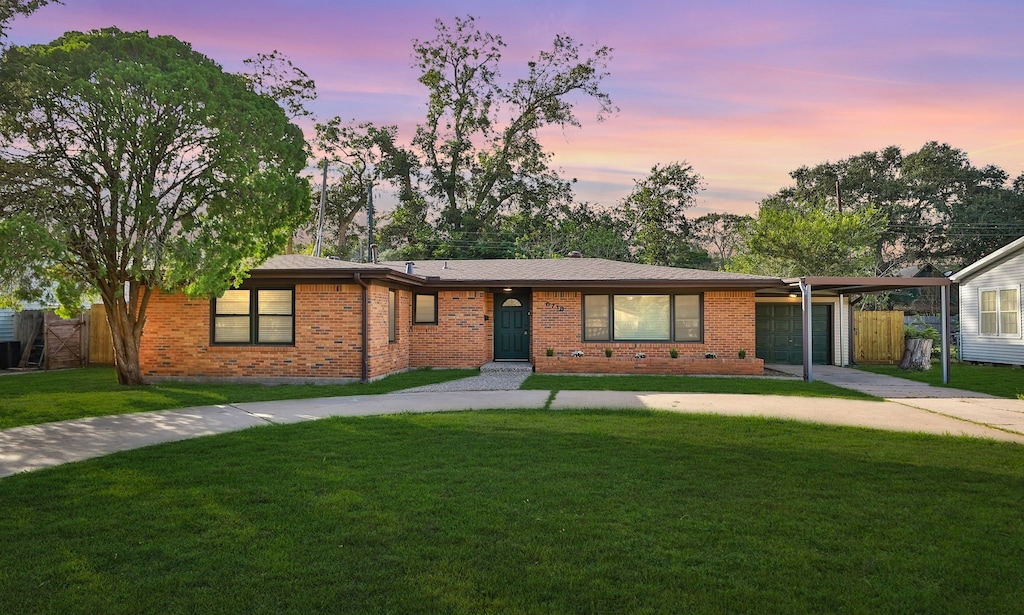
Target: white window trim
x,y
999,313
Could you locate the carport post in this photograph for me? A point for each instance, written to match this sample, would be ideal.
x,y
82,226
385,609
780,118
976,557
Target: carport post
x,y
805,292
945,333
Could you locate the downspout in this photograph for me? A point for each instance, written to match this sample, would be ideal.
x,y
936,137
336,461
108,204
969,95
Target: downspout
x,y
366,329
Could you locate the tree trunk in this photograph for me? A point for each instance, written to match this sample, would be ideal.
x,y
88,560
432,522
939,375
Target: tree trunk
x,y
126,318
917,354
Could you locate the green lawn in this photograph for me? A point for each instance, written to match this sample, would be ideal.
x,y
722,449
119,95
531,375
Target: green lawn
x,y
692,384
42,397
1001,381
524,512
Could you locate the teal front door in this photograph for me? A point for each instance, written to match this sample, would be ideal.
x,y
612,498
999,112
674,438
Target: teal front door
x,y
780,333
512,327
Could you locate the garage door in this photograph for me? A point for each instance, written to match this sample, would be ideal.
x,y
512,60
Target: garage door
x,y
780,333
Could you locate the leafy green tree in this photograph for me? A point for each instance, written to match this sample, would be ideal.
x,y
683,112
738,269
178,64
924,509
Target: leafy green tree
x,y
720,236
797,239
654,214
478,146
150,167
367,156
940,208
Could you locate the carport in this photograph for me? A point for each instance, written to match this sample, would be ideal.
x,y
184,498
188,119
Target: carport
x,y
806,286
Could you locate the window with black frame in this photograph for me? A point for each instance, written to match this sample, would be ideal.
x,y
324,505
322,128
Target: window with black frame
x,y
261,316
643,318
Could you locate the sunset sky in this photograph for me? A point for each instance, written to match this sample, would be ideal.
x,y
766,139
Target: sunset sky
x,y
743,91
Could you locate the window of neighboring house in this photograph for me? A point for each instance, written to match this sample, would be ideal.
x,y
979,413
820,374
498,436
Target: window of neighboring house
x,y
392,316
659,318
424,309
263,316
1000,312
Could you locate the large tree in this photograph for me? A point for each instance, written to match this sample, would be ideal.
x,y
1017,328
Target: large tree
x,y
479,148
940,208
655,218
794,238
148,166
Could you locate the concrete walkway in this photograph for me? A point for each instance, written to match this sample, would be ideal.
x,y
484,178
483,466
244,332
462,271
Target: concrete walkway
x,y
967,406
39,446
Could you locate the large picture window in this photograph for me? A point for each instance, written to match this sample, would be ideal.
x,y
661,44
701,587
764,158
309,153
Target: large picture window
x,y
264,316
1000,312
655,318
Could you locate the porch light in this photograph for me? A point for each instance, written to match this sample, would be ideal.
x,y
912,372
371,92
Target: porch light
x,y
507,290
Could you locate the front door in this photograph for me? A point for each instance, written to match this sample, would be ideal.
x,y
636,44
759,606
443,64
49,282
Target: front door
x,y
512,327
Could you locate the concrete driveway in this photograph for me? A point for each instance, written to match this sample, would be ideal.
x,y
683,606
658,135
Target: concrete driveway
x,y
957,413
967,406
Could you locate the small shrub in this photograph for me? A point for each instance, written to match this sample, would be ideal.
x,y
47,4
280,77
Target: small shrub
x,y
550,352
673,353
607,352
742,353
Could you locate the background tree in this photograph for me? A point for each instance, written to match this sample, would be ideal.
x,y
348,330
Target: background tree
x,y
719,236
940,208
792,239
367,155
478,146
157,170
654,214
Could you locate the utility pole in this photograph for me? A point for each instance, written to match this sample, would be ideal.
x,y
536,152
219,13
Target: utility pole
x,y
369,214
320,217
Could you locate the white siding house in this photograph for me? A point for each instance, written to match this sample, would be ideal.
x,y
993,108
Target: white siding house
x,y
6,325
991,314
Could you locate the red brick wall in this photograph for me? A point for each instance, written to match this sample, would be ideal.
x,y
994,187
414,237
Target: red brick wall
x,y
462,337
728,327
328,338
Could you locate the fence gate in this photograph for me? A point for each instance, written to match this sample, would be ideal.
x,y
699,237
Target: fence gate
x,y
877,337
65,342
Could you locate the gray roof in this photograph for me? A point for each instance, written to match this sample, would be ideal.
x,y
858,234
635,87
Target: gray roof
x,y
563,270
293,262
512,272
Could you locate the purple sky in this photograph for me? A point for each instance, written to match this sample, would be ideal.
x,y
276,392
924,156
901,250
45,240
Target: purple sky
x,y
743,91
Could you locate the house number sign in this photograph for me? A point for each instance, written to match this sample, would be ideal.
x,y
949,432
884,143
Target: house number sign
x,y
554,306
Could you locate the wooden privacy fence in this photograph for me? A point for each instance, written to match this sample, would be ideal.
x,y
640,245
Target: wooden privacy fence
x,y
50,342
877,337
101,348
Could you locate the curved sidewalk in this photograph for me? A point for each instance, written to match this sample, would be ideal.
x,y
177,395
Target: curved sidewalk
x,y
39,446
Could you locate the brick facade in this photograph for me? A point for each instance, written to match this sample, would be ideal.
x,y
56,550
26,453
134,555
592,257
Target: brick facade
x,y
729,326
463,336
328,338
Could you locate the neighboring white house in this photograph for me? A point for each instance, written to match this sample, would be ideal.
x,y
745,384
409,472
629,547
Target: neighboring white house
x,y
990,307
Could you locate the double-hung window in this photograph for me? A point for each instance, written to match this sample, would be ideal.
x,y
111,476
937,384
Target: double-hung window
x,y
1000,312
642,318
263,316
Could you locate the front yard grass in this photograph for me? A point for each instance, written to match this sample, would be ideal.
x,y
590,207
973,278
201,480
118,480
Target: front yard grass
x,y
42,397
997,380
692,384
524,512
